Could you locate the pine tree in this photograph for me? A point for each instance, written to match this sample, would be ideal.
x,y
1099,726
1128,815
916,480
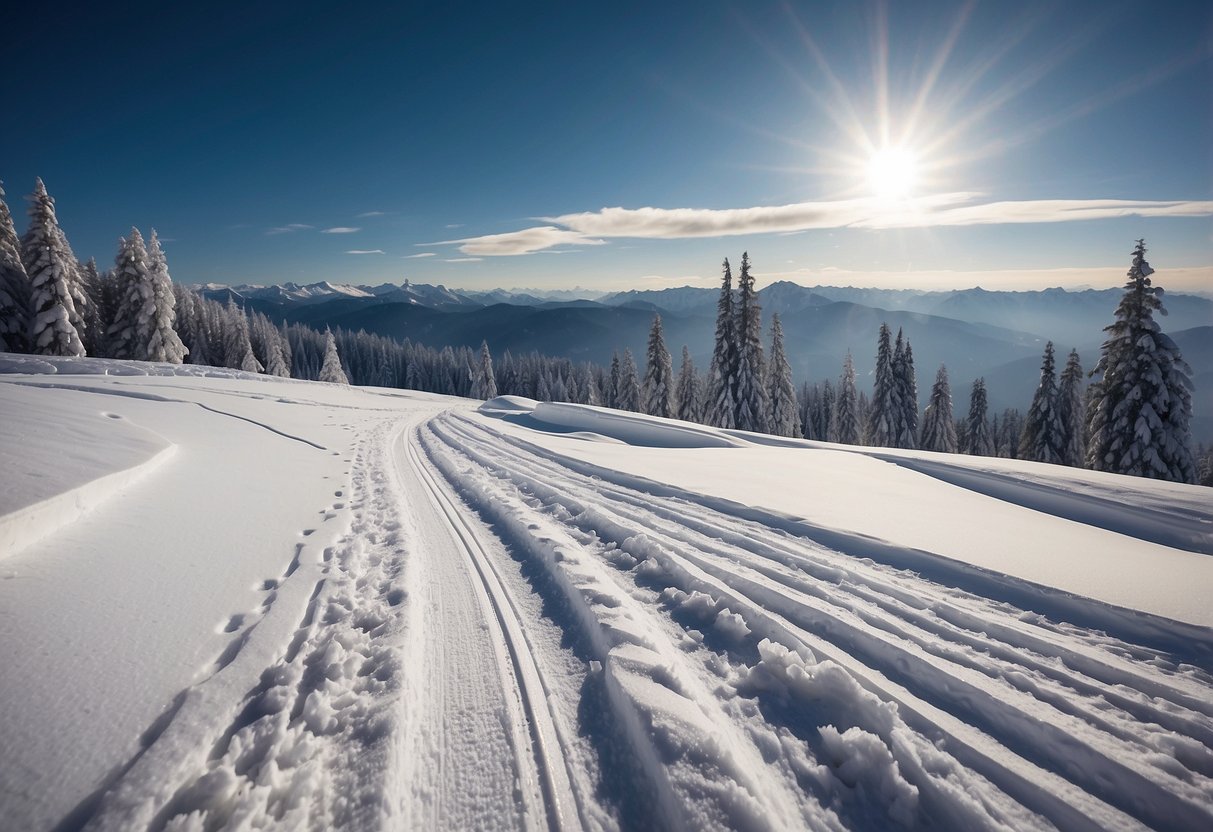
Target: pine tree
x,y
159,314
978,441
94,313
629,385
785,415
132,287
688,404
1043,436
1142,405
613,381
331,370
50,268
721,409
907,395
846,422
753,404
658,375
1070,407
938,424
882,416
485,386
14,286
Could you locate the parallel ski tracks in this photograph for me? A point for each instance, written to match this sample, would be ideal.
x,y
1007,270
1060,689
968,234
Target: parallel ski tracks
x,y
961,648
547,759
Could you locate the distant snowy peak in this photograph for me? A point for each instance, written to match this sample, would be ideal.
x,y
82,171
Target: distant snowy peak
x,y
294,294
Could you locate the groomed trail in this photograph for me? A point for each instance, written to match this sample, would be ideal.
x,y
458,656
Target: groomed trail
x,y
476,631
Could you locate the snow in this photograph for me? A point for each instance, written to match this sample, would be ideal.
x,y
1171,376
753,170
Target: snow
x,y
251,602
1126,541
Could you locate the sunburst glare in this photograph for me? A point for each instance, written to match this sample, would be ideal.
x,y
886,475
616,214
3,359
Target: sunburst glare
x,y
893,172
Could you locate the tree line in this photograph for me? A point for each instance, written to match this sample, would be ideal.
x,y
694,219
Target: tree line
x,y
1133,418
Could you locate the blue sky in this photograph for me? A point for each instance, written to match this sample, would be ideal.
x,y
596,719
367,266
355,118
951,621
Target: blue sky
x,y
476,145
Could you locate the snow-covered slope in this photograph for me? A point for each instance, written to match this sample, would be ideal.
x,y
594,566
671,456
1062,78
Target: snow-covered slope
x,y
312,606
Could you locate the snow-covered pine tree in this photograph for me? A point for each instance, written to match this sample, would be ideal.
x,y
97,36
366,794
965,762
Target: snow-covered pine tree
x,y
131,290
275,359
94,312
629,385
658,375
237,343
907,397
1069,405
613,382
753,404
687,395
846,422
721,406
50,267
785,413
864,410
938,423
1142,404
485,386
1043,436
882,413
978,441
14,286
331,370
804,401
159,315
825,411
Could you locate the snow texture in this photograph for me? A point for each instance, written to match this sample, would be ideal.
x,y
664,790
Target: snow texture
x,y
331,607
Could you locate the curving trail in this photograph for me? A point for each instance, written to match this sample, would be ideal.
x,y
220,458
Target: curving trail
x,y
462,629
959,709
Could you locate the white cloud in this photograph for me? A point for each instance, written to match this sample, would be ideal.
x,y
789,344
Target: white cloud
x,y
464,260
290,229
366,214
1177,279
416,256
454,225
952,209
340,229
365,251
525,241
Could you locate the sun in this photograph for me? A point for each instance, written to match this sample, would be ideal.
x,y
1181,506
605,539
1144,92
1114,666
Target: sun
x,y
893,172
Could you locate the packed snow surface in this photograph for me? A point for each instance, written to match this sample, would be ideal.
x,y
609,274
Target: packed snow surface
x,y
228,601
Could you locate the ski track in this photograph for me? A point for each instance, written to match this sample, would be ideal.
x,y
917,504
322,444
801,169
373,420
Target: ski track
x,y
490,635
968,711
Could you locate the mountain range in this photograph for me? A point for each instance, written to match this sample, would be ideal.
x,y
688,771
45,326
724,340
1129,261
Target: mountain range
x,y
998,335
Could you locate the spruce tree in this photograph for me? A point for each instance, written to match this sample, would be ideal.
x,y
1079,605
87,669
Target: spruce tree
x,y
882,414
331,370
1070,407
14,286
159,314
721,408
96,323
486,383
785,414
629,384
846,424
907,395
658,375
132,291
614,382
688,404
938,424
978,441
1043,436
1142,403
50,267
753,403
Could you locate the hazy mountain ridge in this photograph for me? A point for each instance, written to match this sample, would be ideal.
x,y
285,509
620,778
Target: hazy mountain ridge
x,y
993,334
